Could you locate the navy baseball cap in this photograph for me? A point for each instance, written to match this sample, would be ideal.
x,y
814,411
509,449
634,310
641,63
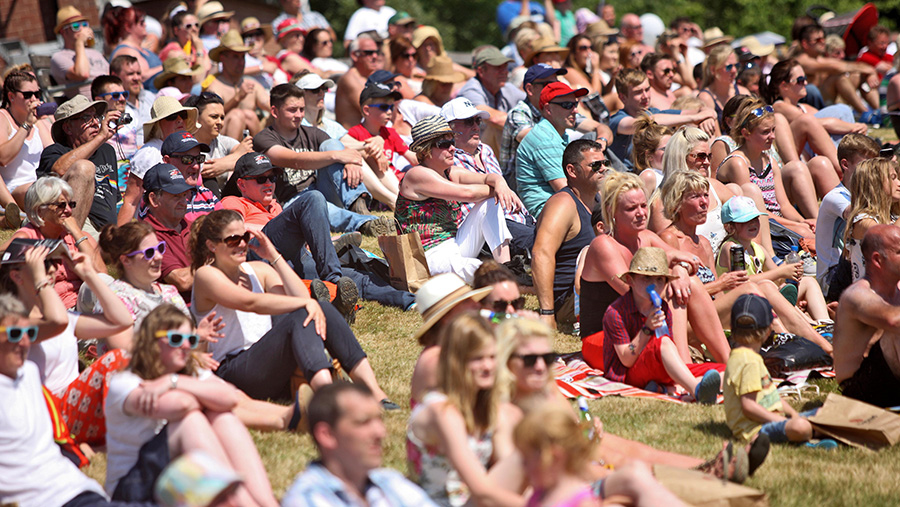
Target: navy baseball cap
x,y
181,142
381,76
378,91
166,177
540,71
753,311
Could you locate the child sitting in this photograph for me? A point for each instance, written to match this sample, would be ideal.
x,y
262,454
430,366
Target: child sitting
x,y
752,402
632,351
377,103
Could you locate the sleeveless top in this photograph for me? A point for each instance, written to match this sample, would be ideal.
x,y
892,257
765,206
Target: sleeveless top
x,y
713,229
242,329
595,299
436,220
765,182
22,169
719,110
755,260
705,274
436,474
567,255
854,246
731,145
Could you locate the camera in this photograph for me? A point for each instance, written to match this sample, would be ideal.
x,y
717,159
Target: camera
x,y
125,119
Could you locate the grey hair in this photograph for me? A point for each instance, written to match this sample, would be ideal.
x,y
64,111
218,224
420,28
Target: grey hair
x,y
354,44
10,306
44,191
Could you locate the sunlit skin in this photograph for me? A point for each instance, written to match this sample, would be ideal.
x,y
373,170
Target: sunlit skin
x,y
482,367
174,359
534,379
140,269
13,355
263,193
632,210
699,163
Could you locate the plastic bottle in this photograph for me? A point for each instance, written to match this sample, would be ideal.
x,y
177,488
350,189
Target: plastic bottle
x,y
792,258
494,317
584,415
662,330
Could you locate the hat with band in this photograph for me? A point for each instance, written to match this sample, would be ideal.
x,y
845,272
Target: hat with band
x,y
66,15
162,108
437,296
73,107
649,261
429,128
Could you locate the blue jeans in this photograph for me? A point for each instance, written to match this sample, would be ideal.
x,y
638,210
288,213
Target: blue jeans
x,y
776,430
813,97
370,286
339,219
330,180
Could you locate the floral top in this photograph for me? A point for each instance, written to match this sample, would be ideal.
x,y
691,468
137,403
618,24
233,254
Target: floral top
x,y
140,303
436,220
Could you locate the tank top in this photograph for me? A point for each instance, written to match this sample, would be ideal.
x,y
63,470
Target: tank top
x,y
765,182
567,255
22,170
436,220
713,229
242,329
854,246
596,298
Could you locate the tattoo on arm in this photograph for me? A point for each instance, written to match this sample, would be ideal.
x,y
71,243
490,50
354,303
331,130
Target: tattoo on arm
x,y
631,348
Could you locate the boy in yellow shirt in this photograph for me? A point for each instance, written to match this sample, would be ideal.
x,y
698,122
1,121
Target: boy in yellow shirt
x,y
752,402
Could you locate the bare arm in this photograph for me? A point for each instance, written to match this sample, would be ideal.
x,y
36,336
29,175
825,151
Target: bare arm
x,y
755,412
311,160
497,118
421,182
156,399
81,68
181,278
552,228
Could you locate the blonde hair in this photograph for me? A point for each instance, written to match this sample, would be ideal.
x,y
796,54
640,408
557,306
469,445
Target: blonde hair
x,y
614,185
145,362
745,118
683,141
833,43
552,426
675,187
465,335
511,334
628,79
646,139
715,60
867,195
687,102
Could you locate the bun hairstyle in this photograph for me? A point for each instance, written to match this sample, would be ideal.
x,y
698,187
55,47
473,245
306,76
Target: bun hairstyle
x,y
118,241
730,110
647,135
780,73
208,227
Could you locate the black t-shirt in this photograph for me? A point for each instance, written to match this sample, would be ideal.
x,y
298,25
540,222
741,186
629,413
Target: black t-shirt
x,y
292,180
106,188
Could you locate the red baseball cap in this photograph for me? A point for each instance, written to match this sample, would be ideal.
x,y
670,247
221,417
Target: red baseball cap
x,y
553,90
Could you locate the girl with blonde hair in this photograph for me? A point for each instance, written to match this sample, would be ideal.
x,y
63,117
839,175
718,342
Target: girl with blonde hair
x,y
719,83
874,198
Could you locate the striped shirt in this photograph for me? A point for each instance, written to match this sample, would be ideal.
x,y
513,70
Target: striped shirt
x,y
385,488
489,163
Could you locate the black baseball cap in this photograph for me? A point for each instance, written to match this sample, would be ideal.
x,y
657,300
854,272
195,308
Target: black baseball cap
x,y
753,311
378,91
252,164
181,142
166,177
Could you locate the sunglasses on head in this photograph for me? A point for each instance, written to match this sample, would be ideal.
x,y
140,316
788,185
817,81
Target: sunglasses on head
x,y
115,95
149,253
759,111
529,360
235,239
801,80
180,114
78,25
30,95
262,180
177,338
368,52
192,159
384,107
445,144
14,334
597,165
702,156
500,305
569,104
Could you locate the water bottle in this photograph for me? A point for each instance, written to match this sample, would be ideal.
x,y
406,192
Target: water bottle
x,y
662,330
792,258
494,317
584,415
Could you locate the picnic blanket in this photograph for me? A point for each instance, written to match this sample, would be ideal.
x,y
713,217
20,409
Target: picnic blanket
x,y
575,378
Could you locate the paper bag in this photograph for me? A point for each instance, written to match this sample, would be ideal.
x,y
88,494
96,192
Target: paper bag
x,y
406,258
703,490
856,423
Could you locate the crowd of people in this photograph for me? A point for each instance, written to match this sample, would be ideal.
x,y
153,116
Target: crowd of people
x,y
681,200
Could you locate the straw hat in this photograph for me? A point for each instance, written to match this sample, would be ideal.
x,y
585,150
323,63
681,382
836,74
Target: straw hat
x,y
231,41
545,45
428,128
600,29
649,261
73,107
441,70
425,32
213,10
441,293
164,107
757,48
174,65
713,36
66,15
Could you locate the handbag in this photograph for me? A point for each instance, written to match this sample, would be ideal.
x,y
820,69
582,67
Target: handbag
x,y
856,423
406,259
793,353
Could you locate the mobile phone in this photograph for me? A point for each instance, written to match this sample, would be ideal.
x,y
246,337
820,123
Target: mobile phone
x,y
246,133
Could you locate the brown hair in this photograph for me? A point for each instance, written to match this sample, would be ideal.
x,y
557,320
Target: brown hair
x,y
145,361
628,79
747,118
118,241
208,227
464,336
118,20
853,145
552,426
491,272
13,82
750,337
646,139
398,46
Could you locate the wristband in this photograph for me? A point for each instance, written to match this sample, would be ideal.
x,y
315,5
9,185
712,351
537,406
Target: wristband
x,y
276,259
547,312
43,284
646,330
81,240
26,126
686,266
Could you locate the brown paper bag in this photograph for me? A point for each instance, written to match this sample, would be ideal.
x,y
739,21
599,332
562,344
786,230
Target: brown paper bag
x,y
856,423
406,258
703,490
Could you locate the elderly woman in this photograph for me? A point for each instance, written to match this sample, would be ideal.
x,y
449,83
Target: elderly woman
x,y
124,28
48,205
431,198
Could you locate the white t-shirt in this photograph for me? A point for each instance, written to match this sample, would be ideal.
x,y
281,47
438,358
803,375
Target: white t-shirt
x,y
830,226
365,19
57,358
33,473
146,157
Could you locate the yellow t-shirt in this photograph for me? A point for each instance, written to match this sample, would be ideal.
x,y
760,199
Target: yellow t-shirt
x,y
745,373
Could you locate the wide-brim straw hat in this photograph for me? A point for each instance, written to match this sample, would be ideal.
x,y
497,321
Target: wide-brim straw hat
x,y
442,71
66,15
425,32
649,261
164,107
73,107
544,45
429,128
713,36
213,10
440,294
599,28
231,41
175,65
757,48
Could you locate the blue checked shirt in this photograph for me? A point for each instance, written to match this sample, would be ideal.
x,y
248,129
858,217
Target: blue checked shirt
x,y
317,487
485,154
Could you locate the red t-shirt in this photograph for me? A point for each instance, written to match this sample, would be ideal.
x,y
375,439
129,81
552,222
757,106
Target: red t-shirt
x,y
393,143
873,60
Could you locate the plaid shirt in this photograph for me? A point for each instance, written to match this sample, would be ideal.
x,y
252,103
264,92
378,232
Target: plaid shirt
x,y
485,154
523,115
317,487
621,323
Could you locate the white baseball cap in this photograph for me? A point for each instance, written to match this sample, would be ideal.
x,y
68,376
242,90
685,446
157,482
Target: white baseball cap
x,y
313,81
462,108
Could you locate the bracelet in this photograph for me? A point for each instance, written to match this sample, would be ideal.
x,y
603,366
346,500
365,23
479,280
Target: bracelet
x,y
544,311
43,284
276,259
81,240
686,266
26,126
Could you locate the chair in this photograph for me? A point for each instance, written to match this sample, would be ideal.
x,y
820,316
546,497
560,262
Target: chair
x,y
52,91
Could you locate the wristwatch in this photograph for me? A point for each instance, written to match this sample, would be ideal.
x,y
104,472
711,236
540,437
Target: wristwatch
x,y
646,330
544,311
173,381
26,126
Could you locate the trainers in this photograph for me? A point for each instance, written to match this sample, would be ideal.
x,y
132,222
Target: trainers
x,y
389,405
344,240
707,390
825,444
359,205
346,299
381,226
809,264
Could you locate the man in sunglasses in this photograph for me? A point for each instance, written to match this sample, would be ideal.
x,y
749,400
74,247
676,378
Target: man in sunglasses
x,y
564,229
82,157
125,140
377,101
187,154
367,57
539,169
139,100
77,61
660,70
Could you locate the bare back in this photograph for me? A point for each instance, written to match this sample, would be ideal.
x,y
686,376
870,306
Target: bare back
x,y
856,328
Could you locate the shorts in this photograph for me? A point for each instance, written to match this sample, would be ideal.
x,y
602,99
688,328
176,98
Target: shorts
x,y
873,382
649,366
775,430
137,484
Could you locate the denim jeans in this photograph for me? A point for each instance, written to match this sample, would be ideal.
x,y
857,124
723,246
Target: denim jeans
x,y
339,219
330,180
370,286
776,430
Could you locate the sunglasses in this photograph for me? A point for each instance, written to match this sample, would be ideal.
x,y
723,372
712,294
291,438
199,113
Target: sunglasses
x,y
583,48
235,239
192,159
702,156
14,334
262,180
78,25
759,111
668,71
801,80
731,66
123,95
597,165
474,121
569,104
384,107
59,206
321,89
86,119
176,338
500,305
368,52
445,144
411,56
180,114
190,25
529,360
150,253
817,40
30,95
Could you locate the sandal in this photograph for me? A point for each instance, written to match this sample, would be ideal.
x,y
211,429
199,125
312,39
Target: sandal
x,y
729,464
301,405
757,450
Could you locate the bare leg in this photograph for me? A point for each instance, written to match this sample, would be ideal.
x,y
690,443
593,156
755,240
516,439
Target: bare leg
x,y
675,367
320,379
679,331
765,235
705,322
846,89
793,320
725,301
242,454
784,139
239,119
636,481
808,130
363,374
824,177
800,189
501,253
375,184
262,415
618,452
80,177
19,195
811,292
798,429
